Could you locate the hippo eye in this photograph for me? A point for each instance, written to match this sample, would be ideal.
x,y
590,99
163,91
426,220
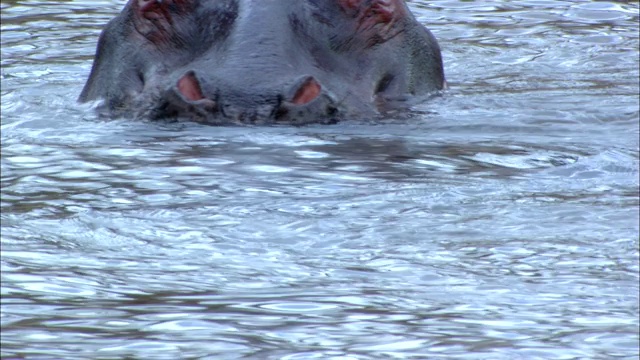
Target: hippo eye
x,y
350,4
189,25
378,11
371,22
159,9
156,19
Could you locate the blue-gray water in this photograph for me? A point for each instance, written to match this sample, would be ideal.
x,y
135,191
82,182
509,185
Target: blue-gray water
x,y
499,222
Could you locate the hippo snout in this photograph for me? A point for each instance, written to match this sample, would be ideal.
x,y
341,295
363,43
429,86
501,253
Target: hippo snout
x,y
262,62
214,101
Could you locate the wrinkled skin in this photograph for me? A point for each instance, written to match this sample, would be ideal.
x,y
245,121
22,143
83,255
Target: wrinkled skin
x,y
262,61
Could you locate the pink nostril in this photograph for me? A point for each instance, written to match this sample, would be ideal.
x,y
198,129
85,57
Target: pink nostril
x,y
307,92
189,87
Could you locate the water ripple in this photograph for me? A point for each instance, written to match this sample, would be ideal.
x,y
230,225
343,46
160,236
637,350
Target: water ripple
x,y
499,221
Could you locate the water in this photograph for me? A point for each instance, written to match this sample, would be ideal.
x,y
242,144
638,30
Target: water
x,y
499,222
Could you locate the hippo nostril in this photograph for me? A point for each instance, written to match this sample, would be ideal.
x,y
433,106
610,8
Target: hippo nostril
x,y
185,99
189,87
307,102
384,83
307,91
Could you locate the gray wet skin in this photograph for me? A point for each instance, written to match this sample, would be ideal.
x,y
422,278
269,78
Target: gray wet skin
x,y
262,61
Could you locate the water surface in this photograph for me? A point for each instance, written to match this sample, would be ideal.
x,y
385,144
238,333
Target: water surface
x,y
499,222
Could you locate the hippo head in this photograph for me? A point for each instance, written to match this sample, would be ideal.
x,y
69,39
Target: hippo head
x,y
262,61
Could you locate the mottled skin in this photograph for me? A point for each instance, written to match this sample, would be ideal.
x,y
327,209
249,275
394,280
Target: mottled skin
x,y
262,61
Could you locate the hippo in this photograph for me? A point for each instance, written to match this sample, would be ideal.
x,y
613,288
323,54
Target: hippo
x,y
225,62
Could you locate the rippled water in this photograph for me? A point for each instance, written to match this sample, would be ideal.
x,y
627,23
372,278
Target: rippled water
x,y
499,222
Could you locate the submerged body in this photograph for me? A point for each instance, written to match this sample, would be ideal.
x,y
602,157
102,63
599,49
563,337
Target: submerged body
x,y
262,61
